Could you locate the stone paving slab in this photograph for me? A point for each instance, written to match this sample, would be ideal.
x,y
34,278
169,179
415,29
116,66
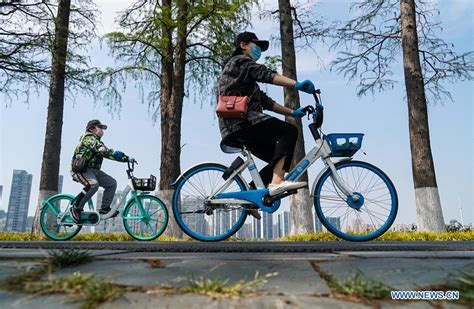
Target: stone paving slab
x,y
418,304
297,277
190,301
10,300
401,274
12,268
409,254
224,256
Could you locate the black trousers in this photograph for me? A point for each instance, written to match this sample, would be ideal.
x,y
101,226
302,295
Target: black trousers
x,y
269,140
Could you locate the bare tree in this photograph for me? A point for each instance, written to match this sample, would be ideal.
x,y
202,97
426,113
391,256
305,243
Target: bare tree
x,y
59,74
372,43
301,204
26,42
169,46
300,28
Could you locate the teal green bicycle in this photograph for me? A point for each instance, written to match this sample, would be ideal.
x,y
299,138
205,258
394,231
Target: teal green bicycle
x,y
145,216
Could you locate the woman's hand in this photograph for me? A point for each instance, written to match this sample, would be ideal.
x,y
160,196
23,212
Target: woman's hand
x,y
299,112
306,86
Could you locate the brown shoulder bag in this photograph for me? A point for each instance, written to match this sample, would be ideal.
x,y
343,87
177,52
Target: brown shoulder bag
x,y
233,107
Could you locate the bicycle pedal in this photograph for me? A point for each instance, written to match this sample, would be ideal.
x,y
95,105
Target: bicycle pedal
x,y
269,200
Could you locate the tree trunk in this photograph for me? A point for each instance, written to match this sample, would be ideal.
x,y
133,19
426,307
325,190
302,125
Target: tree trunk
x,y
301,214
52,143
428,206
171,106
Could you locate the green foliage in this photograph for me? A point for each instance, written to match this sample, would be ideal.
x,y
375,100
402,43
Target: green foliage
x,y
360,287
80,287
390,236
149,40
26,41
18,282
218,287
455,226
68,257
273,62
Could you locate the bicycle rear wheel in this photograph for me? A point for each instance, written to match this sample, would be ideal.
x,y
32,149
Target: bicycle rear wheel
x,y
211,222
361,220
50,211
147,220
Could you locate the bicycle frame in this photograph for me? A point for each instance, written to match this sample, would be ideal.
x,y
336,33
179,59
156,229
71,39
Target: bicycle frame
x,y
320,150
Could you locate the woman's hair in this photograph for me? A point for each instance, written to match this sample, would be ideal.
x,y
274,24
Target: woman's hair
x,y
237,51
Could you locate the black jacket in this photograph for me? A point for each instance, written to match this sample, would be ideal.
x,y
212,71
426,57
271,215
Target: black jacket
x,y
239,77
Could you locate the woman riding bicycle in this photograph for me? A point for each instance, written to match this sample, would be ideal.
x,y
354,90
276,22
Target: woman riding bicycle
x,y
268,138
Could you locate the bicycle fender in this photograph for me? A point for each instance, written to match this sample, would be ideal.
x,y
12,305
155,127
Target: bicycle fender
x,y
322,172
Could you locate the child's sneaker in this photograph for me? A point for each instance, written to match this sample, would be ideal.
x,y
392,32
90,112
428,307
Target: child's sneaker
x,y
76,214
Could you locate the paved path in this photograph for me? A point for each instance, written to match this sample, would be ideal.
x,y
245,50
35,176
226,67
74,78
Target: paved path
x,y
296,271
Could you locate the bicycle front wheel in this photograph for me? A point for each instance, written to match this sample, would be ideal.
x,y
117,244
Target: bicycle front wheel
x,y
362,220
52,209
146,219
201,221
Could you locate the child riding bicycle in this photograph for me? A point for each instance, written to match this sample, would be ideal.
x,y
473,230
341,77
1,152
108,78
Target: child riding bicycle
x,y
85,169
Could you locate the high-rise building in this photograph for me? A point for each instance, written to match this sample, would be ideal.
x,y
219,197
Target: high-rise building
x,y
318,227
275,231
357,225
1,197
267,219
283,224
3,219
60,183
29,223
19,201
246,231
257,228
335,221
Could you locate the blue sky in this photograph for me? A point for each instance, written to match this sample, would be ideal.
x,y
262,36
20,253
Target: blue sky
x,y
383,119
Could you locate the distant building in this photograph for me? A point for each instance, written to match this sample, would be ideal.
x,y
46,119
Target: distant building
x,y
318,227
3,220
275,231
1,197
29,223
335,221
357,225
256,228
60,183
283,224
267,219
19,201
245,232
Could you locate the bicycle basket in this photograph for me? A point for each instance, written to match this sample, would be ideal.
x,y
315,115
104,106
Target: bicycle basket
x,y
144,184
344,144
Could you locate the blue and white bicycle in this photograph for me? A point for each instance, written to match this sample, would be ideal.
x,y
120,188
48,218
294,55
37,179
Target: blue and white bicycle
x,y
354,200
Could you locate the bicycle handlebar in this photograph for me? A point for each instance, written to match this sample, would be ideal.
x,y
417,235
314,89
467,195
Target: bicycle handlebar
x,y
131,164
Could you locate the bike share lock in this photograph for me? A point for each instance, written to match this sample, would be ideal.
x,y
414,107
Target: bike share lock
x,y
235,165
